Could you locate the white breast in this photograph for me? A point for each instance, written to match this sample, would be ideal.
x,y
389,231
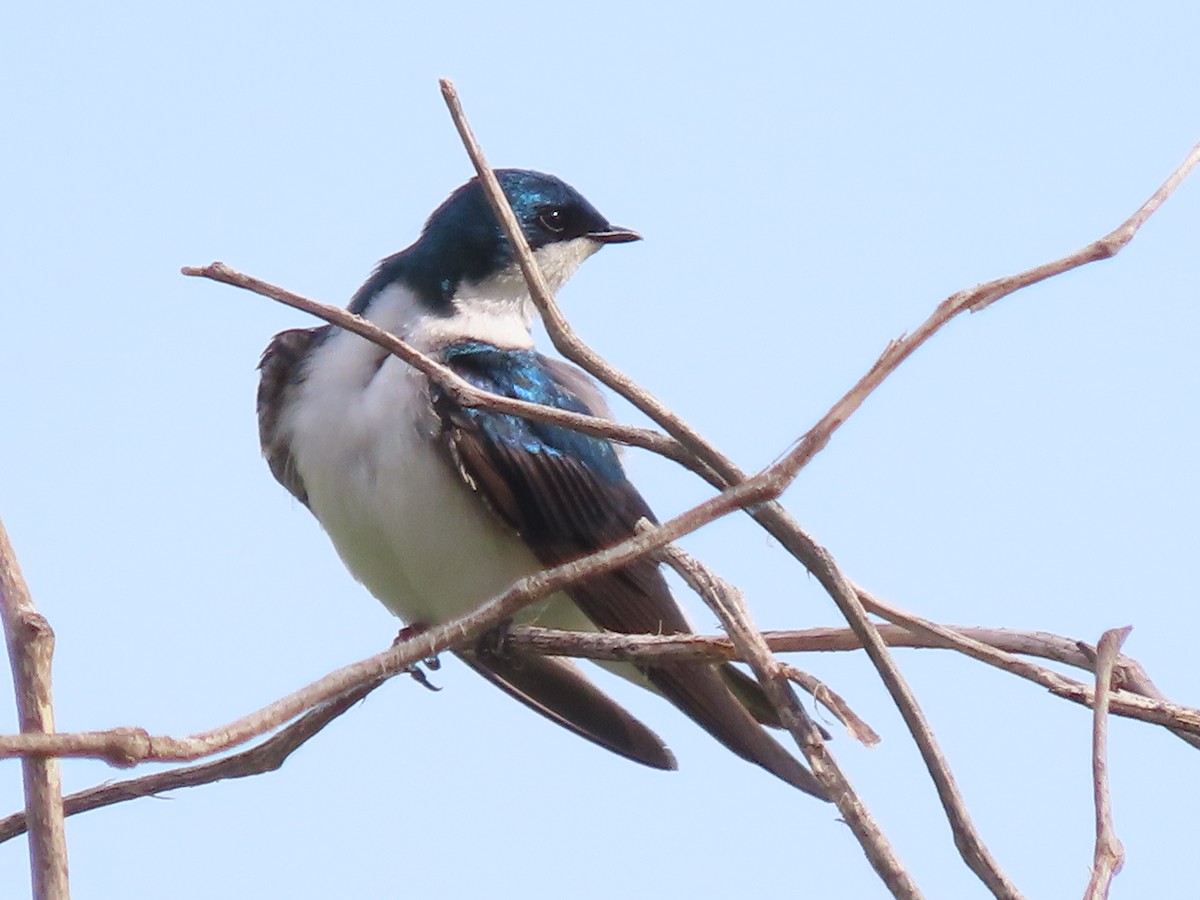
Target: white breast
x,y
362,436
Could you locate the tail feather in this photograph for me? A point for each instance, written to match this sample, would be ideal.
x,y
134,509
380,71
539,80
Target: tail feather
x,y
558,690
701,692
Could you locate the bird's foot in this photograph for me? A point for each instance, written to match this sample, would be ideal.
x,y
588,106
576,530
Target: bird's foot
x,y
432,663
418,675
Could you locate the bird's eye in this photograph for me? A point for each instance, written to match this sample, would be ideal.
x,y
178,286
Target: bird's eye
x,y
552,220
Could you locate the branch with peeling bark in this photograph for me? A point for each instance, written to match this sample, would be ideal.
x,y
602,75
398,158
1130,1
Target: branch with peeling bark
x,y
727,602
129,746
1127,677
1135,697
1109,855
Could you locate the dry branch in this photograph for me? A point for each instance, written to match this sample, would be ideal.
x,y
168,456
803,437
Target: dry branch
x,y
1138,698
30,651
727,602
617,647
1109,854
265,757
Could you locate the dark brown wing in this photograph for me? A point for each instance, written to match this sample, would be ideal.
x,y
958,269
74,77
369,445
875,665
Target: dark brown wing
x,y
567,496
560,692
280,369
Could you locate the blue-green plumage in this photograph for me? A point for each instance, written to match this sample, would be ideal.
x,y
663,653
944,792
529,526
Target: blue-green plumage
x,y
526,375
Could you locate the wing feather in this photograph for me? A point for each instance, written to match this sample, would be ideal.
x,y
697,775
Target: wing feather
x,y
281,368
558,690
567,496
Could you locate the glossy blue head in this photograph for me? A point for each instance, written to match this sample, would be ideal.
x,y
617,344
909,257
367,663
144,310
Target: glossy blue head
x,y
463,245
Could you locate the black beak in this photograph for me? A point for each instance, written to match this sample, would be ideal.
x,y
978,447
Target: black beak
x,y
614,234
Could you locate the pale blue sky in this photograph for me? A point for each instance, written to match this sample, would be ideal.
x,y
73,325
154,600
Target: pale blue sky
x,y
810,183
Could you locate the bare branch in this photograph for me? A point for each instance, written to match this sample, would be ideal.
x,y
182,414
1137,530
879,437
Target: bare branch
x,y
30,651
984,295
637,649
266,757
1109,854
834,702
1139,698
462,390
1150,708
727,602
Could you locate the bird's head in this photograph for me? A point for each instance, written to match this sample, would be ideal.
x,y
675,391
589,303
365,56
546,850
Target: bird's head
x,y
463,250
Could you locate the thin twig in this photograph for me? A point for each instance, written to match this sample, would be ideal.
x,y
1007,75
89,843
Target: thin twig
x,y
1108,246
727,602
1139,699
1109,855
832,701
1150,708
458,387
265,757
648,649
127,746
30,643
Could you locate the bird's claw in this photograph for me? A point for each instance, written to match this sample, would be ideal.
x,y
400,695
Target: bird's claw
x,y
418,674
430,662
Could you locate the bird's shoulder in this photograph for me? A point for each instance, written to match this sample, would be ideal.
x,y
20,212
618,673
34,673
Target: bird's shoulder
x,y
543,480
525,374
565,493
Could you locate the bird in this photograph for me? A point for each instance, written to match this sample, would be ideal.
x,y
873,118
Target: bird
x,y
435,507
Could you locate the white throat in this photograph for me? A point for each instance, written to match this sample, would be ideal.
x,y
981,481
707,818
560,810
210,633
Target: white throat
x,y
498,309
558,263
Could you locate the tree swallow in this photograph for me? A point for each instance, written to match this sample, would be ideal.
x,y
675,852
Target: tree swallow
x,y
435,507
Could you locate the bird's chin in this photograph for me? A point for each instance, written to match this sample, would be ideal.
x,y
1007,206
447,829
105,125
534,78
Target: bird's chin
x,y
560,260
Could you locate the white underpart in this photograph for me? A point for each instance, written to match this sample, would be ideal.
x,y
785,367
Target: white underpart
x,y
361,435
